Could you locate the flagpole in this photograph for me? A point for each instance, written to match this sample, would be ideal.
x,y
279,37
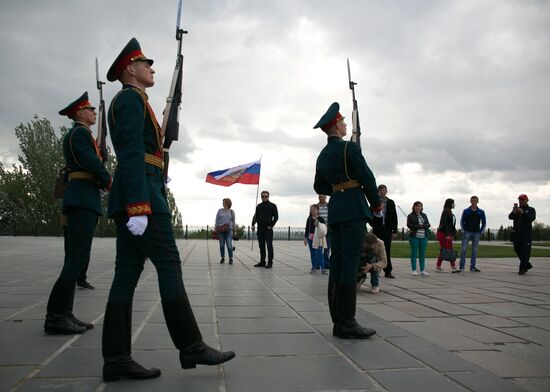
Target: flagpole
x,y
255,204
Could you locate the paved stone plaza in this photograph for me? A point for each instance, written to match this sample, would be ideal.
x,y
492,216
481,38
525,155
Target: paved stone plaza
x,y
487,331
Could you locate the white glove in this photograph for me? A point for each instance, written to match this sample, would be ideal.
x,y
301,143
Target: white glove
x,y
378,214
137,224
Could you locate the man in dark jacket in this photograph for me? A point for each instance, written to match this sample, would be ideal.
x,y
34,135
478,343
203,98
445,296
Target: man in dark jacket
x,y
343,174
81,208
385,227
266,216
523,217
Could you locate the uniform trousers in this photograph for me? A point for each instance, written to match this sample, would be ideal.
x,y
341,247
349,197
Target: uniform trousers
x,y
158,244
79,234
347,240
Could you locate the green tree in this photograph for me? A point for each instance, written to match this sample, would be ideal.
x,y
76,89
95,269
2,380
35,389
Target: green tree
x,y
26,190
14,199
177,221
41,158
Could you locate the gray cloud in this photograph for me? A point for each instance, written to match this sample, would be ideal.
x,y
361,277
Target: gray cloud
x,y
459,87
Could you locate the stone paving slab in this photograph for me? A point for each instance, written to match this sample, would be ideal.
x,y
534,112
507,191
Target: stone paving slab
x,y
446,332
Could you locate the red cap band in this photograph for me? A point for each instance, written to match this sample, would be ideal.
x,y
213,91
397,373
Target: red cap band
x,y
332,122
132,56
80,105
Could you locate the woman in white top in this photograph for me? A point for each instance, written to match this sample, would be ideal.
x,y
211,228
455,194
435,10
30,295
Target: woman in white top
x,y
225,225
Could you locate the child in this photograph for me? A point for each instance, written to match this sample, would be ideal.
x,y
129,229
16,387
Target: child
x,y
373,259
315,238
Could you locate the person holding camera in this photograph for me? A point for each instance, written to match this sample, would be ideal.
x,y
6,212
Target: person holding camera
x,y
522,232
373,260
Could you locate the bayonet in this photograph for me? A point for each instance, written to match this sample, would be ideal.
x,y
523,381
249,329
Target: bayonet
x,y
170,121
356,130
101,139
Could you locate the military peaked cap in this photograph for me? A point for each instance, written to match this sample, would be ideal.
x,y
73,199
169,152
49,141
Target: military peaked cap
x,y
81,103
131,52
330,117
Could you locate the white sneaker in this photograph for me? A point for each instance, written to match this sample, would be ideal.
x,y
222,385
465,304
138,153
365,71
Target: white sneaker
x,y
424,273
374,290
438,269
415,273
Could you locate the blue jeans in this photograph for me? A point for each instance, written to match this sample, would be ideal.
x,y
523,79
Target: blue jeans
x,y
317,258
226,238
418,246
474,236
374,282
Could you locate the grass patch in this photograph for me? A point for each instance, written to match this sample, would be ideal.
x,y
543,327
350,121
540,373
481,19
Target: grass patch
x,y
402,250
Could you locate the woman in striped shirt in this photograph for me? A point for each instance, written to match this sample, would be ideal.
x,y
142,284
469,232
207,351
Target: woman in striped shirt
x,y
418,225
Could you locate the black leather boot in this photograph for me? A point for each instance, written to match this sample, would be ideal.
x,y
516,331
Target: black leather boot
x,y
117,343
187,338
346,326
352,330
70,314
58,321
202,354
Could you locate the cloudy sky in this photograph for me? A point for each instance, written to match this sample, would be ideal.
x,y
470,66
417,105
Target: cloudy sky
x,y
454,96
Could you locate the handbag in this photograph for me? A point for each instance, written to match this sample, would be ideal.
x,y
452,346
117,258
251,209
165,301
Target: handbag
x,y
448,255
223,228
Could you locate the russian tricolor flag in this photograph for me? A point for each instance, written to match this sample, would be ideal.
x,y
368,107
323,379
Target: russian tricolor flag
x,y
249,173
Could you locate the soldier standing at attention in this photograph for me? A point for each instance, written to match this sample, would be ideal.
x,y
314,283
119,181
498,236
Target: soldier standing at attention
x,y
144,230
81,207
343,174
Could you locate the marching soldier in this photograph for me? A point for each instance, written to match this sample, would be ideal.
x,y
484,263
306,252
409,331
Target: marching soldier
x,y
342,173
138,205
81,206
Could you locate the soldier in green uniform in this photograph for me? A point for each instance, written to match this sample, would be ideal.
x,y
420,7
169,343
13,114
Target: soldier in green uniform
x,y
342,173
81,207
139,207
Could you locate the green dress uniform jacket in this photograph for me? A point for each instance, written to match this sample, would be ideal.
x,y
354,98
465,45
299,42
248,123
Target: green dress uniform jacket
x,y
139,189
81,155
138,186
349,204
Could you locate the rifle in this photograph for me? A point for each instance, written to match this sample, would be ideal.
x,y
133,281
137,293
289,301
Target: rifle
x,y
101,119
170,121
356,130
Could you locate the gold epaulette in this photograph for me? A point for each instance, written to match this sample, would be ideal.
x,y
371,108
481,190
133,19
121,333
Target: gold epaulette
x,y
154,160
82,175
341,187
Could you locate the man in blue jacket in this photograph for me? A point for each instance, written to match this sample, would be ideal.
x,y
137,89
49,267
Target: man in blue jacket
x,y
472,223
